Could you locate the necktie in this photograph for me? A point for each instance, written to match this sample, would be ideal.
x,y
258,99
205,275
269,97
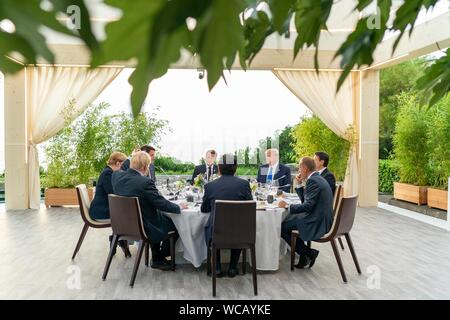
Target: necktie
x,y
269,175
209,173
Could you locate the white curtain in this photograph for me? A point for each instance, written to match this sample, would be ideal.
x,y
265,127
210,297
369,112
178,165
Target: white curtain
x,y
55,97
318,92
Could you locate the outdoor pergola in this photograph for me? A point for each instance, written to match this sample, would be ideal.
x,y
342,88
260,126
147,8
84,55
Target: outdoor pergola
x,y
352,114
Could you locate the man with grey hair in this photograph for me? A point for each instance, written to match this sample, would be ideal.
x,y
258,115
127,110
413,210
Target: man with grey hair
x,y
273,172
135,183
313,218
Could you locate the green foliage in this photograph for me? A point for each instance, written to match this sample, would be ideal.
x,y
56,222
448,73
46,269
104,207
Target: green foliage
x,y
312,135
387,175
137,131
394,81
286,145
247,170
170,165
155,32
78,153
435,83
410,141
28,39
438,140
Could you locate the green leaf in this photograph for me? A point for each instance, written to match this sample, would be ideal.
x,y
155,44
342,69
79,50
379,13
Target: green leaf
x,y
281,13
310,18
435,83
28,37
406,16
256,29
359,46
224,22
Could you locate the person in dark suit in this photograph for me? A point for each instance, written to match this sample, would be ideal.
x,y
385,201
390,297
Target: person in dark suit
x,y
313,218
151,152
99,208
135,183
209,168
321,160
226,187
274,171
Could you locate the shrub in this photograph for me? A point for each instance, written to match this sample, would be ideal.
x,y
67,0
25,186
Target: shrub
x,y
312,135
387,175
438,137
410,141
78,153
171,165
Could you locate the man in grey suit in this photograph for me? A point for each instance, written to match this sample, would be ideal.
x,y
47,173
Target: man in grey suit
x,y
151,169
313,218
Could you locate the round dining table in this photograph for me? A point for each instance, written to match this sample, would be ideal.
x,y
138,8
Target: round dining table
x,y
191,222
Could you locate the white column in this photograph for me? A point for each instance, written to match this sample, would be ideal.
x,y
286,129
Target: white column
x,y
16,165
368,138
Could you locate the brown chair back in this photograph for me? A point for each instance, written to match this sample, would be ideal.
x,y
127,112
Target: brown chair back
x,y
126,217
234,222
337,197
85,203
345,215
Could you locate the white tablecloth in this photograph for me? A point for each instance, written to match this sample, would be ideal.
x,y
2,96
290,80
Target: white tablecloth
x,y
191,228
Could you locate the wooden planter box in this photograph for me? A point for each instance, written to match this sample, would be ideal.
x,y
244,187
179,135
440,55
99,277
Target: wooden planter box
x,y
437,198
410,193
56,197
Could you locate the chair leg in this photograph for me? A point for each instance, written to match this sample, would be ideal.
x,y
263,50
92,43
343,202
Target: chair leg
x,y
244,261
213,262
114,242
80,240
308,244
338,259
208,260
147,253
352,251
172,251
253,257
293,248
137,262
341,243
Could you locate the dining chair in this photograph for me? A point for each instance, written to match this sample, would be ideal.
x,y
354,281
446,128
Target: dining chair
x,y
84,203
234,228
127,224
338,193
342,225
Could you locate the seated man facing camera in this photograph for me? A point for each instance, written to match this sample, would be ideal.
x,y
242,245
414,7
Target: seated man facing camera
x,y
135,183
226,187
312,218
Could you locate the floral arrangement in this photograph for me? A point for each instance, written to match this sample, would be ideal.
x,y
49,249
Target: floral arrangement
x,y
254,186
180,184
200,181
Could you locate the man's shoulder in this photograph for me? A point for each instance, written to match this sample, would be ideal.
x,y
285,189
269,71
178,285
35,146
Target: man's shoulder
x,y
284,167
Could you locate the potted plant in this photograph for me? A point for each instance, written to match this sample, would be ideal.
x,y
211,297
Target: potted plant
x,y
410,148
78,153
439,154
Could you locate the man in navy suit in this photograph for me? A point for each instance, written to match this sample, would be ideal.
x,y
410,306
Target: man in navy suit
x,y
209,168
135,183
274,171
151,152
313,218
321,160
226,187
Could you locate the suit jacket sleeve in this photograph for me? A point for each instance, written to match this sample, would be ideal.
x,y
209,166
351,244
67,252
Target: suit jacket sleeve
x,y
248,192
331,181
107,182
259,177
151,193
195,174
301,193
312,193
286,180
206,202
